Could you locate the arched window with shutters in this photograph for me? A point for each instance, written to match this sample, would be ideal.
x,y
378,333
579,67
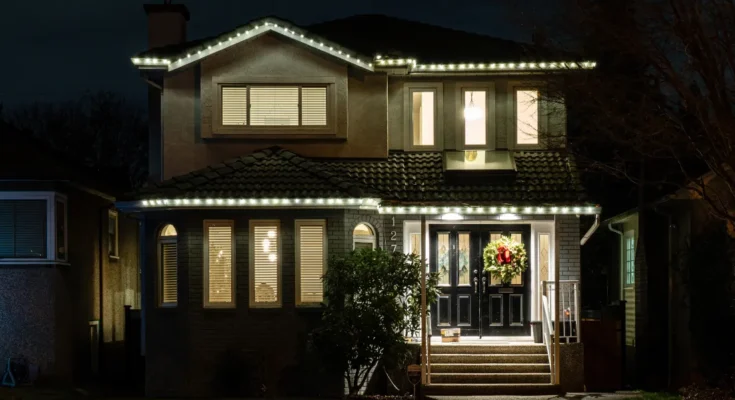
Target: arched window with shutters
x,y
167,267
363,236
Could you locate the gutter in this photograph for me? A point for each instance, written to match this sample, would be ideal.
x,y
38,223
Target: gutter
x,y
590,231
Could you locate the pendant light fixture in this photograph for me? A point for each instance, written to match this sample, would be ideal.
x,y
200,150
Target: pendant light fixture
x,y
471,111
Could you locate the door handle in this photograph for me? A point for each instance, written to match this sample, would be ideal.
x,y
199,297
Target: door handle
x,y
477,287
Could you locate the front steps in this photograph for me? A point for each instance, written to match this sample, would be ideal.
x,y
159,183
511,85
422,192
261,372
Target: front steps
x,y
458,369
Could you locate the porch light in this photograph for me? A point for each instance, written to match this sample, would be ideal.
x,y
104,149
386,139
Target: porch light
x,y
451,217
509,217
471,111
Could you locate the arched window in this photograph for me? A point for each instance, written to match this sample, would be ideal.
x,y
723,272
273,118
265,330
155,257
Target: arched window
x,y
168,291
363,236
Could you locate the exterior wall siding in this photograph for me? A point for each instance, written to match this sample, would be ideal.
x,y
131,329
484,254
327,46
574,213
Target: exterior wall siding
x,y
568,235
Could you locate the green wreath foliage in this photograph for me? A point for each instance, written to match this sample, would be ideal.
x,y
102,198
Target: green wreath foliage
x,y
505,259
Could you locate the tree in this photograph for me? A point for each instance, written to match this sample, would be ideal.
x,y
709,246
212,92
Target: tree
x,y
372,301
100,130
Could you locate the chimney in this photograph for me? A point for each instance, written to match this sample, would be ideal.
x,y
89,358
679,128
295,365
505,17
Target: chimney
x,y
166,23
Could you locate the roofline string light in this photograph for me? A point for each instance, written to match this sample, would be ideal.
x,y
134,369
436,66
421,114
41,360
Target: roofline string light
x,y
509,66
371,203
249,33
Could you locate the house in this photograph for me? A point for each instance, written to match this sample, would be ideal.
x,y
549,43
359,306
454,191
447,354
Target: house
x,y
664,264
68,265
276,146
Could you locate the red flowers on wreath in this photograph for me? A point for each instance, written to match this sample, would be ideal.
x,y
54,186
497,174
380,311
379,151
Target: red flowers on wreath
x,y
505,259
504,255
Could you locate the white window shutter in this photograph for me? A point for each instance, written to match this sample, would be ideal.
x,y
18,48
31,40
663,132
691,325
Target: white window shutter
x,y
234,105
314,106
265,259
220,262
311,262
168,273
274,106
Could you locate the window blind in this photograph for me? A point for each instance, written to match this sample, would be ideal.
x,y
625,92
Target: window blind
x,y
314,106
23,228
311,263
265,264
169,290
234,105
219,263
276,105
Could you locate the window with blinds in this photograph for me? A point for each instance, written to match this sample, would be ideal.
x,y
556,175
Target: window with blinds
x,y
262,106
219,288
167,267
265,267
310,261
23,228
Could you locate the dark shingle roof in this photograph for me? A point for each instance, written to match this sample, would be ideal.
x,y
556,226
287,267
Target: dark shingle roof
x,y
543,177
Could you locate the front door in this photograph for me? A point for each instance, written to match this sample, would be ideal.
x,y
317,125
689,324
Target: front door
x,y
470,299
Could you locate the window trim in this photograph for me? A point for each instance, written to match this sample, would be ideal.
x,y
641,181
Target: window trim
x,y
490,115
277,131
543,117
408,90
160,241
251,265
628,235
51,250
113,214
205,278
366,239
297,225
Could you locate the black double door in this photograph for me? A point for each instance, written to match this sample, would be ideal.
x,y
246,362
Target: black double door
x,y
470,299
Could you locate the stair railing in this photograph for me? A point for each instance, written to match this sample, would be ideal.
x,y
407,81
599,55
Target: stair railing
x,y
548,327
570,330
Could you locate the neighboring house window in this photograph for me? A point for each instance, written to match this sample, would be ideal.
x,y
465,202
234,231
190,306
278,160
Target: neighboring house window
x,y
219,263
311,261
363,236
262,106
527,117
475,117
265,270
629,258
32,227
112,245
422,117
167,252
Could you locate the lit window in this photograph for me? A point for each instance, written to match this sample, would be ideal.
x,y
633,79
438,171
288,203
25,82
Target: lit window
x,y
274,105
219,268
112,245
629,258
311,255
475,118
527,116
265,271
363,237
422,118
167,253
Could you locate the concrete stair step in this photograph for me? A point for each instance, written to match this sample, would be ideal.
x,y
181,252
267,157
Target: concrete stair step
x,y
490,368
490,378
496,349
487,389
489,358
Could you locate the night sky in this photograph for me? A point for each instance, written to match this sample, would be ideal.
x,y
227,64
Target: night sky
x,y
55,50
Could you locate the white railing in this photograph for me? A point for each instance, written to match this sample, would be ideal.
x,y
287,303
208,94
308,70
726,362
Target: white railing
x,y
569,322
548,329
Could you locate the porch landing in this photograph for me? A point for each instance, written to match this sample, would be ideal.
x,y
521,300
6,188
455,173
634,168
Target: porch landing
x,y
487,341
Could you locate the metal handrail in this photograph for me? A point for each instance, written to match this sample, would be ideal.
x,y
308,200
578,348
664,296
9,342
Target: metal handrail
x,y
547,331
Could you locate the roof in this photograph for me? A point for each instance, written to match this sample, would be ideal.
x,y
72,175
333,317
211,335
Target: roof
x,y
543,177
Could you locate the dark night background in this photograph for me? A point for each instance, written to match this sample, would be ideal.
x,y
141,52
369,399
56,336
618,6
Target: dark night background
x,y
55,50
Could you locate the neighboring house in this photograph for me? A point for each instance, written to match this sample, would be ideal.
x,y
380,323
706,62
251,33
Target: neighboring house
x,y
277,146
68,265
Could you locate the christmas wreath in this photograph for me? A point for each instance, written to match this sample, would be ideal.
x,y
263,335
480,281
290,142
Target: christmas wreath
x,y
505,259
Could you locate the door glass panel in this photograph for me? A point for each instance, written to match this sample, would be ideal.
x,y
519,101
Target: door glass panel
x,y
494,236
516,238
463,262
516,309
544,260
416,244
442,259
464,310
496,309
444,311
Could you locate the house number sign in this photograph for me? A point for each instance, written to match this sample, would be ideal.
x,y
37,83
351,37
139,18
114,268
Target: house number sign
x,y
393,235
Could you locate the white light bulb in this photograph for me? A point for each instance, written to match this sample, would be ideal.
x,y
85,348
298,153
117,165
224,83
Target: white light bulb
x,y
266,245
272,257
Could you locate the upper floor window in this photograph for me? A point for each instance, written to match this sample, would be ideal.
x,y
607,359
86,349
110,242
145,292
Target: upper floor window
x,y
475,117
422,117
527,117
32,227
422,120
276,105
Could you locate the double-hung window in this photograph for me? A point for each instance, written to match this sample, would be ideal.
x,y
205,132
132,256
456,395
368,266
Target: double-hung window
x,y
259,106
219,263
33,227
311,261
265,264
527,117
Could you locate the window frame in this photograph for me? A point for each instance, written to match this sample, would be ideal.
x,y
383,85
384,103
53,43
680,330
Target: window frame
x,y
297,239
373,239
490,115
275,131
161,240
543,117
51,248
113,214
628,272
408,90
205,264
279,264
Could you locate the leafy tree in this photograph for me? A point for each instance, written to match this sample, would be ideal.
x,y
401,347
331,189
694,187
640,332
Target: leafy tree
x,y
372,301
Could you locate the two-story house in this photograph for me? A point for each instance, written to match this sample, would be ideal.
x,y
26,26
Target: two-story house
x,y
277,146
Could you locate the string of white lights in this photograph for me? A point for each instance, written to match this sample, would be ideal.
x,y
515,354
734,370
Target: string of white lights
x,y
509,66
